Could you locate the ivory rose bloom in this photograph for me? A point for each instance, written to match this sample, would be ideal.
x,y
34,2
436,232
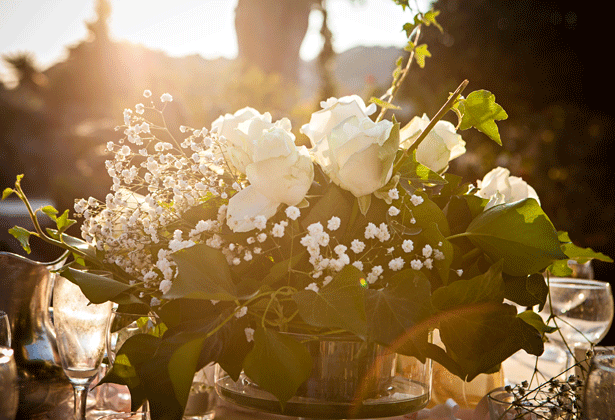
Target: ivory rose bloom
x,y
358,154
237,128
499,187
279,172
333,112
441,145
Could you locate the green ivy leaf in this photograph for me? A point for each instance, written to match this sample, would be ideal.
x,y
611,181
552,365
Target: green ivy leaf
x,y
413,171
526,290
394,313
481,111
339,304
487,287
420,53
480,336
383,104
135,351
203,273
50,211
536,321
7,192
334,202
428,212
520,233
23,236
429,18
277,363
580,255
97,288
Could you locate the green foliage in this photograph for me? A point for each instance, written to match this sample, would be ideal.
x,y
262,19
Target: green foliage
x,y
339,304
519,233
277,363
23,236
480,111
395,313
202,273
100,287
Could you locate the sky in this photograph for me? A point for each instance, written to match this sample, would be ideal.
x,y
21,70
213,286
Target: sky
x,y
182,27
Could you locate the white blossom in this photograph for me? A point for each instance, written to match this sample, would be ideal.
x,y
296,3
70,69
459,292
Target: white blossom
x,y
166,97
416,264
312,286
416,199
396,264
393,211
241,312
333,223
407,245
249,332
427,251
292,212
357,246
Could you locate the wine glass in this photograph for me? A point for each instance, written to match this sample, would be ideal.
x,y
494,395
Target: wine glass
x,y
5,330
582,309
599,399
80,330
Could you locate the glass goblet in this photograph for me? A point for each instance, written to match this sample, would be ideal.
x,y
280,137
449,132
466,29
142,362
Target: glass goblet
x,y
599,399
5,330
582,309
80,332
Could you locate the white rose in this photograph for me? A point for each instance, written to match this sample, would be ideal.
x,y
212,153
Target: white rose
x,y
333,113
279,173
356,154
499,187
441,145
235,128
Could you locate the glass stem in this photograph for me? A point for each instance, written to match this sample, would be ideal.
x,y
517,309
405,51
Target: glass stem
x,y
81,396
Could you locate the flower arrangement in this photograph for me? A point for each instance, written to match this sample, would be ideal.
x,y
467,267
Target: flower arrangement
x,y
234,235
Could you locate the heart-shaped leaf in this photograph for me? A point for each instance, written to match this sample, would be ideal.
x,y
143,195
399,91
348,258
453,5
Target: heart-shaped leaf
x,y
394,313
203,273
520,233
277,363
339,304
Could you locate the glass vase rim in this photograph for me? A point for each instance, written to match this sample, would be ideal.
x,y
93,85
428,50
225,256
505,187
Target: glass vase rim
x,y
564,282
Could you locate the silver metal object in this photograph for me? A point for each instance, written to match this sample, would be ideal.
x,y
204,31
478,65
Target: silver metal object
x,y
25,295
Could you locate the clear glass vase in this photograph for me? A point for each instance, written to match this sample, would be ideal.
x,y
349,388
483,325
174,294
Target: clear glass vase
x,y
350,379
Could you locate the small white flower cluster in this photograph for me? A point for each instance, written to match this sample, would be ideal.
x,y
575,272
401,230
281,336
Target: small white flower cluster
x,y
172,177
367,252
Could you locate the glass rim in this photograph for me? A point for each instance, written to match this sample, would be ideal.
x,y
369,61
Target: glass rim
x,y
598,362
573,281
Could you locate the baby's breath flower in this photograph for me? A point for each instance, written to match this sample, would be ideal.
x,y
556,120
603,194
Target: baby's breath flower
x,y
139,108
393,194
277,231
371,230
260,222
292,212
340,249
241,312
393,211
358,264
249,332
416,199
416,264
312,286
427,251
261,237
407,245
438,255
357,246
333,223
327,280
396,264
165,286
147,93
166,97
